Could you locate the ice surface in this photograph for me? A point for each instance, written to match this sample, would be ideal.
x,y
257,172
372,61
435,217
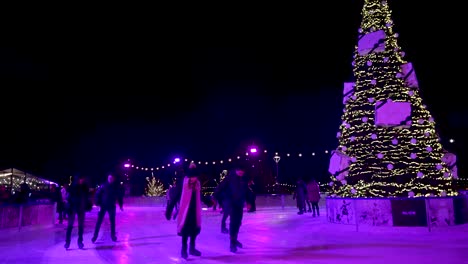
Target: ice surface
x,y
270,235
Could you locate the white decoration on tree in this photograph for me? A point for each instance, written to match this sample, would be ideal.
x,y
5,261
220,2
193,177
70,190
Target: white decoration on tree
x,y
451,160
339,164
392,114
409,75
372,42
348,91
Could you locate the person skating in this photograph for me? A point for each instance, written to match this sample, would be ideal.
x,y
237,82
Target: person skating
x,y
225,205
188,194
107,196
235,189
300,196
313,195
78,198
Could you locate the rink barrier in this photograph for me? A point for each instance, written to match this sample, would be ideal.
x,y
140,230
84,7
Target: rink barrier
x,y
430,212
33,214
262,200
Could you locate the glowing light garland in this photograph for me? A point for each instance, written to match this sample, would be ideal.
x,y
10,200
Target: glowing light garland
x,y
377,79
132,165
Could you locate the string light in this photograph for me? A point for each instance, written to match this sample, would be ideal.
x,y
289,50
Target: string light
x,y
388,161
229,160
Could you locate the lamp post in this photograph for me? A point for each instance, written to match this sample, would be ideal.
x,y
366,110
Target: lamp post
x,y
276,158
128,185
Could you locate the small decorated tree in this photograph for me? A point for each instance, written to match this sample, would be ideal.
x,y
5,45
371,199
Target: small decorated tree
x,y
154,187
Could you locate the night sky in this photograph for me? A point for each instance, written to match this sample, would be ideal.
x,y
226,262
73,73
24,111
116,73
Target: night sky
x,y
87,90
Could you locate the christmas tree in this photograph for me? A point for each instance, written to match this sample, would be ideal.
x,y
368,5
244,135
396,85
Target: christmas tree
x,y
154,187
388,145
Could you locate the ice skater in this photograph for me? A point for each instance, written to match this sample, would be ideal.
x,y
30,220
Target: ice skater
x,y
107,196
78,197
235,189
189,216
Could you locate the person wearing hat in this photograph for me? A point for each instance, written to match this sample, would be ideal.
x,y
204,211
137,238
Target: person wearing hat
x,y
188,195
234,189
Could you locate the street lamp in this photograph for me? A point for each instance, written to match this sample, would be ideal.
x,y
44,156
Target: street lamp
x,y
276,158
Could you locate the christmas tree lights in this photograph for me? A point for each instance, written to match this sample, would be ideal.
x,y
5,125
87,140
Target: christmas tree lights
x,y
154,187
376,156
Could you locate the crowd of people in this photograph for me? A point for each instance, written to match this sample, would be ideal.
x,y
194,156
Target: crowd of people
x,y
184,205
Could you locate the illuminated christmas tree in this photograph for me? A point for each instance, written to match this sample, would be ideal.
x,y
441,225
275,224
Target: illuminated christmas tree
x,y
154,187
388,145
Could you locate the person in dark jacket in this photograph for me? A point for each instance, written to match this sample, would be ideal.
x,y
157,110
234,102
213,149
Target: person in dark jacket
x,y
234,187
224,204
107,196
252,196
56,197
300,195
78,197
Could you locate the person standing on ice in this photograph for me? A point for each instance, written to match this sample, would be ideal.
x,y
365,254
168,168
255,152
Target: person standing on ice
x,y
78,197
188,194
235,190
107,197
300,196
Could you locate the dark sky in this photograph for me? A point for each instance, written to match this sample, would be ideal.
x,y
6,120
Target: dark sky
x,y
84,90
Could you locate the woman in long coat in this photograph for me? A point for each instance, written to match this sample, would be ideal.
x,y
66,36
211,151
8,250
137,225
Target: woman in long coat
x,y
189,216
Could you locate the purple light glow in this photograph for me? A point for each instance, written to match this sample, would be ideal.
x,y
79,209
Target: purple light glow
x,y
127,165
176,160
253,150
